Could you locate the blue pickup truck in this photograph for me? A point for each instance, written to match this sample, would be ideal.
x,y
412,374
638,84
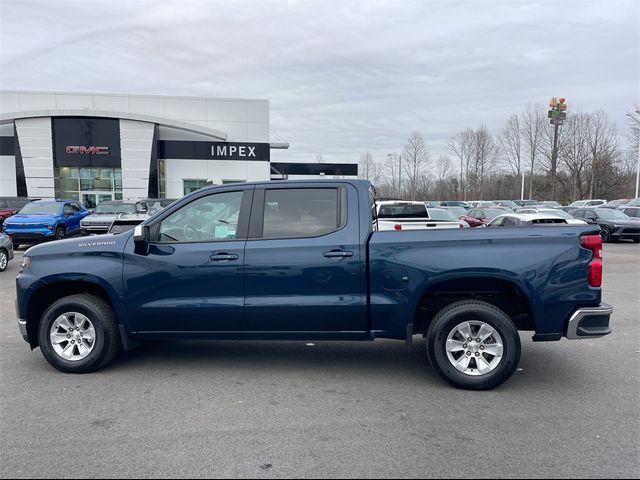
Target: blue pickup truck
x,y
300,260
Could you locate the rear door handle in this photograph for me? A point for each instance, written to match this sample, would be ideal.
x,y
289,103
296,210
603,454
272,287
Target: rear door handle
x,y
221,257
337,254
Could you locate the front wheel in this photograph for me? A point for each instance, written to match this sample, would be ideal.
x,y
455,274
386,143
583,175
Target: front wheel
x,y
79,334
4,260
605,233
60,233
473,345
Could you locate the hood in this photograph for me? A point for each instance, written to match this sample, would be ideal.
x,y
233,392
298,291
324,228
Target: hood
x,y
100,218
80,246
21,218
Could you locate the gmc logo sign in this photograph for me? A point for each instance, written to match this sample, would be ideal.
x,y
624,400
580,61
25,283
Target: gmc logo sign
x,y
87,150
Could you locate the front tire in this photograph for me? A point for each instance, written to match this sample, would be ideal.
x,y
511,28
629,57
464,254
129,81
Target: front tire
x,y
4,260
79,334
473,345
61,233
605,233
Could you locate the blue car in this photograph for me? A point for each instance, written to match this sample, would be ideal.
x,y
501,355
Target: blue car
x,y
45,220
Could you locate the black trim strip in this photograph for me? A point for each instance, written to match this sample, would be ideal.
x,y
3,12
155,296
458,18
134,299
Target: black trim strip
x,y
153,166
21,181
350,169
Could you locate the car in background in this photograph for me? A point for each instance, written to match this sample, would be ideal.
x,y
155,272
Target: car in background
x,y
105,213
457,211
568,210
156,204
407,215
432,204
526,203
455,203
588,203
518,219
616,203
9,206
633,203
633,212
507,204
551,204
482,204
614,224
477,217
445,218
126,222
6,251
43,220
553,211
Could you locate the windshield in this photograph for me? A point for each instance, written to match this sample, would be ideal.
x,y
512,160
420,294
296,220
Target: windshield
x,y
403,210
458,211
492,213
556,213
635,202
41,208
107,208
579,203
507,203
443,215
612,215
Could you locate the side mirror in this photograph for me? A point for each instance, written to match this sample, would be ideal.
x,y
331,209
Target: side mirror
x,y
141,235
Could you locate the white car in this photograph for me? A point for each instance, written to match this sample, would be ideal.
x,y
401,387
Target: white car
x,y
588,203
553,211
406,215
515,219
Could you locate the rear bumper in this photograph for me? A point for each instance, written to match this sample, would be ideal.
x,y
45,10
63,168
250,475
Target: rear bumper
x,y
589,322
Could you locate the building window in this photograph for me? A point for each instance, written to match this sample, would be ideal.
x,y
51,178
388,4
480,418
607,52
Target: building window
x,y
162,180
193,184
88,185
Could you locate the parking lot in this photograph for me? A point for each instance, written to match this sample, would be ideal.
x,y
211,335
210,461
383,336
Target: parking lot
x,y
267,410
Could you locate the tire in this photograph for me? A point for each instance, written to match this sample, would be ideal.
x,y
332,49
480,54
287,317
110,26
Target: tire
x,y
501,366
16,245
636,240
4,259
106,339
605,233
61,233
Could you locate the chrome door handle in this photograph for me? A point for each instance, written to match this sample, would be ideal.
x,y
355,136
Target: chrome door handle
x,y
337,254
221,257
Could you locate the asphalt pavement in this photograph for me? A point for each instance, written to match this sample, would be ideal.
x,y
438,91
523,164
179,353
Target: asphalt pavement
x,y
337,409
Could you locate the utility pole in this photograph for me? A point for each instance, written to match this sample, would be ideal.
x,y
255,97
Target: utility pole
x,y
557,114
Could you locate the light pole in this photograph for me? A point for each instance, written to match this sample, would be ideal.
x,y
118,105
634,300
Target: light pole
x,y
638,166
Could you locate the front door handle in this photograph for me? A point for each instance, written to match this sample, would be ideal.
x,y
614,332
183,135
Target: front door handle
x,y
221,257
337,254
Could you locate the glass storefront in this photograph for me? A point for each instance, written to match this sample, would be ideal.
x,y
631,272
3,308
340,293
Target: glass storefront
x,y
88,185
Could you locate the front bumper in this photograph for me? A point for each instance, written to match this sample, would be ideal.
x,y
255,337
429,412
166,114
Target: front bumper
x,y
589,322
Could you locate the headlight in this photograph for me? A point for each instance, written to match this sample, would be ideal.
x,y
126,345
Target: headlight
x,y
26,263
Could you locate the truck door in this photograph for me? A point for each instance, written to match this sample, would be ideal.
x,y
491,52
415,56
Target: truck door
x,y
304,265
191,280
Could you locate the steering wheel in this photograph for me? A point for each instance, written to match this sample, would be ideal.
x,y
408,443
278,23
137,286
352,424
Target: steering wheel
x,y
191,234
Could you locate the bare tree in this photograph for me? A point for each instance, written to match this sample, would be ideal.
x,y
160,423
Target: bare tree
x,y
391,174
483,157
366,166
462,145
444,169
533,123
414,158
602,146
510,145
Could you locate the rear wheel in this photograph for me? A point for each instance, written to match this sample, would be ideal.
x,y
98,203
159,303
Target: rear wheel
x,y
605,233
473,345
4,260
79,334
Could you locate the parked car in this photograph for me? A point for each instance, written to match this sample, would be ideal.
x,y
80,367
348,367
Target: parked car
x,y
6,251
406,215
614,224
587,203
526,203
125,222
157,204
519,219
459,212
476,217
568,210
571,220
309,268
106,212
551,204
45,220
633,212
634,203
10,205
482,204
455,203
616,203
445,218
506,204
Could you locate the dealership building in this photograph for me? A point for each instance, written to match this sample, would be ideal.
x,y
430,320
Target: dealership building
x,y
97,147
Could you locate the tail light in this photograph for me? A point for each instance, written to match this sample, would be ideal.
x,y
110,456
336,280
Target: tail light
x,y
594,243
397,226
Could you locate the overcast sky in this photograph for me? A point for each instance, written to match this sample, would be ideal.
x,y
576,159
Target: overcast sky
x,y
342,77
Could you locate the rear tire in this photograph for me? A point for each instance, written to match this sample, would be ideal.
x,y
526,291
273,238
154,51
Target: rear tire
x,y
460,362
4,260
605,233
104,334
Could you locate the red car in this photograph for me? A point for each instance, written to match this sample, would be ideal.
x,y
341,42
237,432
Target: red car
x,y
10,205
476,217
